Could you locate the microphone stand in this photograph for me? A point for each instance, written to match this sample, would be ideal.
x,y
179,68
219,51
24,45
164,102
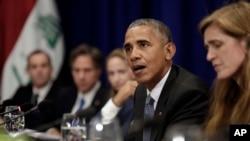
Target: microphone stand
x,y
23,114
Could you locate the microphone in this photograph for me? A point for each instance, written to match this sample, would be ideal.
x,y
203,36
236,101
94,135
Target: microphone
x,y
44,105
41,107
86,113
27,106
24,107
139,125
89,112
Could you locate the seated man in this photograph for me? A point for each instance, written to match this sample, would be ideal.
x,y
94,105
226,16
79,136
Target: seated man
x,y
86,68
167,94
42,86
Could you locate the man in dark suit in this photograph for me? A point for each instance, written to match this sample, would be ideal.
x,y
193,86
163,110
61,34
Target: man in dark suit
x,y
86,68
175,96
42,87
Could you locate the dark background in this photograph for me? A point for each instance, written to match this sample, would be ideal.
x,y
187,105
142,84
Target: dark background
x,y
103,23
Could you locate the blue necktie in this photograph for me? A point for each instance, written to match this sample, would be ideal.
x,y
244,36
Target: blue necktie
x,y
148,114
80,106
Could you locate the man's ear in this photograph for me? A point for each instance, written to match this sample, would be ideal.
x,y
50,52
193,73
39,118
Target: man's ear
x,y
170,50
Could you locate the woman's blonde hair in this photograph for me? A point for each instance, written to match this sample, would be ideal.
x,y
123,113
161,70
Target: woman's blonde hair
x,y
118,52
230,102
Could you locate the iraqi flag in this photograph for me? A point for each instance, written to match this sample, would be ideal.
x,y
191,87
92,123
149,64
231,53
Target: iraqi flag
x,y
25,26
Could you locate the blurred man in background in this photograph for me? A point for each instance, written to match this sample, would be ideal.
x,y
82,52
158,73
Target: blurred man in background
x,y
42,86
86,67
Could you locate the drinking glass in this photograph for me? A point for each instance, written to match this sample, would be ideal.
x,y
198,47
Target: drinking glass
x,y
100,130
14,120
182,132
73,128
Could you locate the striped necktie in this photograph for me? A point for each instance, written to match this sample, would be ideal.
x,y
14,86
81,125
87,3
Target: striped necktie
x,y
148,114
80,105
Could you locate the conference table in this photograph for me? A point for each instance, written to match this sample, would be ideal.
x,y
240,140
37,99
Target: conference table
x,y
27,135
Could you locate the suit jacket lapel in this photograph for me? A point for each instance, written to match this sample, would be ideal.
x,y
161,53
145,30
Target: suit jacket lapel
x,y
52,92
101,97
71,99
140,97
28,94
160,111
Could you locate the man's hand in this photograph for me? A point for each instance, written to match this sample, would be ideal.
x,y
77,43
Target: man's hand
x,y
53,131
127,90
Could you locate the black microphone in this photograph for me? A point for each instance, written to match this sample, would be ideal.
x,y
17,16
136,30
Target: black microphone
x,y
86,113
139,125
41,106
89,112
24,107
44,105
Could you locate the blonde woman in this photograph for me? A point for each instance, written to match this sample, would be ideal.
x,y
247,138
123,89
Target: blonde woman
x,y
225,34
123,87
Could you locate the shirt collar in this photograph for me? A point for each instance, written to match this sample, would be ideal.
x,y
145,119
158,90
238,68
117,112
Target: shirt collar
x,y
156,91
43,91
89,96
